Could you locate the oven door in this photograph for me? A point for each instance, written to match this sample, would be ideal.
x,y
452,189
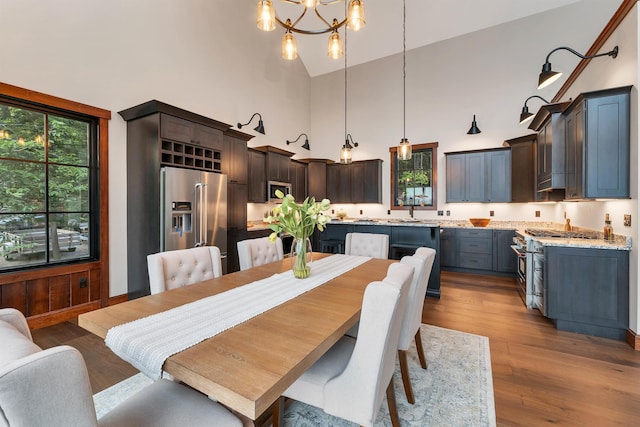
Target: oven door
x,y
521,276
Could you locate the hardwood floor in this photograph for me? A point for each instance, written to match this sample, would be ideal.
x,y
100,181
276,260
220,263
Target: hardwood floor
x,y
541,376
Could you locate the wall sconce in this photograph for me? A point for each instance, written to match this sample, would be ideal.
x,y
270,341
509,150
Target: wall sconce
x,y
259,128
306,141
525,116
548,76
474,127
345,152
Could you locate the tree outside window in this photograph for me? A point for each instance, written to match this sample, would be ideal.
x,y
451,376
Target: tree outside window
x,y
47,173
413,181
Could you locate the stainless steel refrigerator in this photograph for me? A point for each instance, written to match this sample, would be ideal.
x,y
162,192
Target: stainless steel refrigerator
x,y
193,210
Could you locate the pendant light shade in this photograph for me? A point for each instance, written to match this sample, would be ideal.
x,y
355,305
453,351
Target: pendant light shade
x,y
259,128
289,47
525,116
404,149
266,16
345,152
474,129
306,145
355,16
335,50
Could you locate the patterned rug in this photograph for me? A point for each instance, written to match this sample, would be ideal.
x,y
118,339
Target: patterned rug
x,y
455,390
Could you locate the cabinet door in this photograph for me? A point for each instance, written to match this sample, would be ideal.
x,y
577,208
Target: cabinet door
x,y
523,161
175,129
236,222
339,183
475,177
544,156
236,160
207,137
366,180
257,177
607,147
504,258
317,180
498,176
448,247
456,178
575,142
299,180
278,167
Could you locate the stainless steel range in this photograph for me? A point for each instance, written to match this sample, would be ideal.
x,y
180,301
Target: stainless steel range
x,y
530,251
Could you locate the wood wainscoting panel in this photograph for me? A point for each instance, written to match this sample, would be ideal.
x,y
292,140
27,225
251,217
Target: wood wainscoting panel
x,y
37,296
79,288
59,292
14,295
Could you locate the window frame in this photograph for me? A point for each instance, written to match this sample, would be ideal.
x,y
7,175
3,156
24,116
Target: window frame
x,y
393,151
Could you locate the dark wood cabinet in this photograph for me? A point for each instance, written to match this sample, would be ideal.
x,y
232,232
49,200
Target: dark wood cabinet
x,y
357,182
298,171
182,130
598,149
475,249
448,247
549,122
236,161
317,178
257,176
587,290
523,168
278,167
479,176
478,250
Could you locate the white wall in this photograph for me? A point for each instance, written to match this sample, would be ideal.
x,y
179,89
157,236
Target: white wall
x,y
119,53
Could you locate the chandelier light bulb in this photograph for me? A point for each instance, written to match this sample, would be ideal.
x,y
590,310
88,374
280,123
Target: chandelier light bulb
x,y
266,16
289,48
335,46
355,15
309,4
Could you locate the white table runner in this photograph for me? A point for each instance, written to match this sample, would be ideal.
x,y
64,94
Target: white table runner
x,y
147,342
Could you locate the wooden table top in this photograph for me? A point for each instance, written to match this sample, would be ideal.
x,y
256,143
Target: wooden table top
x,y
250,365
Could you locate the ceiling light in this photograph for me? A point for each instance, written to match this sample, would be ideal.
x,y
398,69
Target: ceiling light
x,y
306,141
349,144
267,18
259,128
404,148
548,76
474,129
345,152
525,116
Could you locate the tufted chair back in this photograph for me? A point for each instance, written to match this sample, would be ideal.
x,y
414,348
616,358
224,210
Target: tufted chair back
x,y
255,252
182,267
367,244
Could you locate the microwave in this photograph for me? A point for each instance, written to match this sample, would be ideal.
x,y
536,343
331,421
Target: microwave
x,y
273,186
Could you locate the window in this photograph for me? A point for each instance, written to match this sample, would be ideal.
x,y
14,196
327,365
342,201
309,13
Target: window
x,y
413,181
49,205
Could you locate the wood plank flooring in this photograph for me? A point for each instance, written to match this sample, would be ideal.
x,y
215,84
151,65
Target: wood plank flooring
x,y
541,376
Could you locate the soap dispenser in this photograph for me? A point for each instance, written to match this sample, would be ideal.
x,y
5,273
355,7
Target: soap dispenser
x,y
608,229
567,226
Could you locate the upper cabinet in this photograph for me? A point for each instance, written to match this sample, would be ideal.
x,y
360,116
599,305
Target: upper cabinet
x,y
549,122
277,163
357,182
479,176
298,172
317,178
257,176
523,165
597,136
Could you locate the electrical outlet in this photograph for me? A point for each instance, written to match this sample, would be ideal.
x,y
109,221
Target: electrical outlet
x,y
360,211
448,213
440,213
83,282
627,220
490,213
537,214
388,211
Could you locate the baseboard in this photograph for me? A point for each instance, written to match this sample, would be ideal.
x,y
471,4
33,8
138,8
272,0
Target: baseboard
x,y
633,339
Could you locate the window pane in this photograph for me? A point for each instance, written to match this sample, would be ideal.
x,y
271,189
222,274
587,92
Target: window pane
x,y
68,188
413,186
22,188
22,240
68,141
21,133
72,236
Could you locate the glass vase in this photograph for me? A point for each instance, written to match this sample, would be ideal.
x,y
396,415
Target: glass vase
x,y
301,256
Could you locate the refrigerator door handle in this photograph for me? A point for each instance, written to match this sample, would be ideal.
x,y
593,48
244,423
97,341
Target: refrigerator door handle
x,y
200,207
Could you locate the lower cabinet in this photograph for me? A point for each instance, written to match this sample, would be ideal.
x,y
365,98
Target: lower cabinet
x,y
587,290
403,240
476,250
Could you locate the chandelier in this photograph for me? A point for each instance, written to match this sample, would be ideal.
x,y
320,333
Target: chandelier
x,y
354,20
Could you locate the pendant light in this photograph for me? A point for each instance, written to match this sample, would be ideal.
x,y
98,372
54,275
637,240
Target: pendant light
x,y
474,129
404,148
548,76
349,143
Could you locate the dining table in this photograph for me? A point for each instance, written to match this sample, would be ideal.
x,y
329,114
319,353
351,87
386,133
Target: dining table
x,y
248,366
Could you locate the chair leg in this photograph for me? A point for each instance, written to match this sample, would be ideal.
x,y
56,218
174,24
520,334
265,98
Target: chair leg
x,y
423,361
404,370
393,409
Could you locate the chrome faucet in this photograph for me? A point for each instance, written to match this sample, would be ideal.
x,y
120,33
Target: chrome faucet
x,y
411,211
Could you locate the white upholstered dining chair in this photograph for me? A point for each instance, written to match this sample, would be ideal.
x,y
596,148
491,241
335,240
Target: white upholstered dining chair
x,y
182,267
367,244
51,388
422,262
350,379
255,252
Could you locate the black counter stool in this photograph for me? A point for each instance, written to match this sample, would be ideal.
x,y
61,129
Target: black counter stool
x,y
332,246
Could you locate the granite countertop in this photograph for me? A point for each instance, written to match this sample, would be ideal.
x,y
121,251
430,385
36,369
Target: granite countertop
x,y
621,243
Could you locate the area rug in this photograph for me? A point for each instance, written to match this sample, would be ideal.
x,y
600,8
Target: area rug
x,y
455,390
